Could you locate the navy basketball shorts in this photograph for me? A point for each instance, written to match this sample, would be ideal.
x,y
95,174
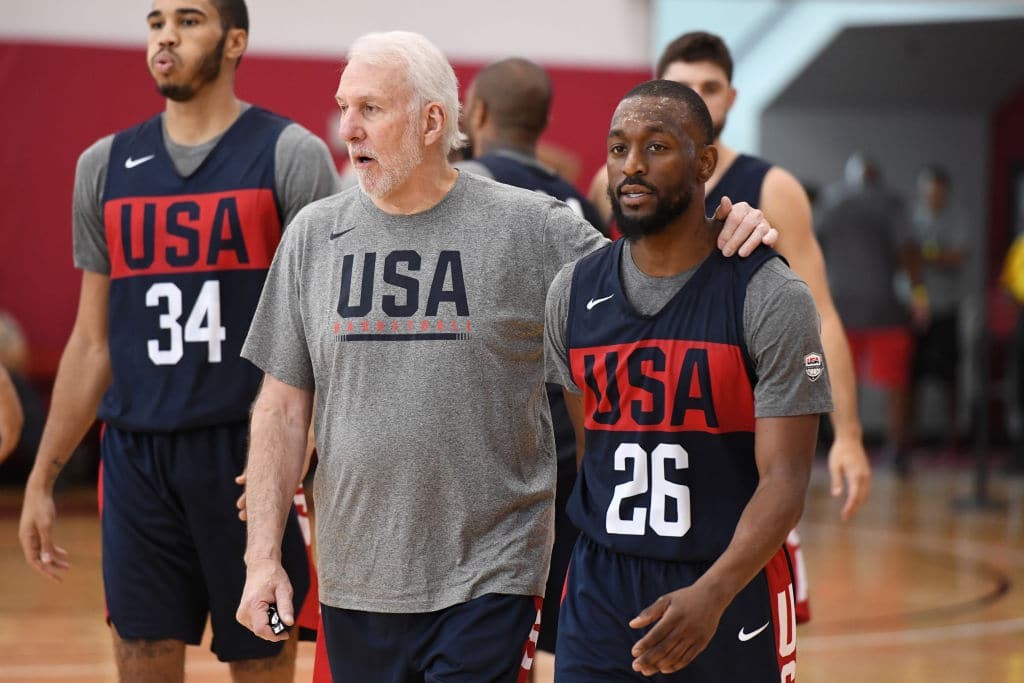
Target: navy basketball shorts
x,y
489,639
172,540
755,641
561,552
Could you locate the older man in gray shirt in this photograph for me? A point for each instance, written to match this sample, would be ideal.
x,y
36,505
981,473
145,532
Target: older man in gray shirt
x,y
412,308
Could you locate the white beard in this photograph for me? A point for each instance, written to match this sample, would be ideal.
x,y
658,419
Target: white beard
x,y
392,172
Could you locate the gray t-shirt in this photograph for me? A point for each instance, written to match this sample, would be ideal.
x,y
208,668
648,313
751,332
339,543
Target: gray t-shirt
x,y
861,231
303,168
780,327
423,338
946,229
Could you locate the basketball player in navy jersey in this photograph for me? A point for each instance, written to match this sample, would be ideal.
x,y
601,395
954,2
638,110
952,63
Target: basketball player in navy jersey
x,y
702,380
175,223
702,61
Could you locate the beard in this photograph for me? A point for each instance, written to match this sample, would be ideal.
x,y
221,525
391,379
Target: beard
x,y
208,71
666,211
718,128
391,172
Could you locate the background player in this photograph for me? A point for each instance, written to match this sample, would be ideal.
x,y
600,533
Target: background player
x,y
691,478
175,223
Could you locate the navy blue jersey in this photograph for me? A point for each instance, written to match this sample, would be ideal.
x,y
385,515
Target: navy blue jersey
x,y
519,170
668,410
741,183
188,257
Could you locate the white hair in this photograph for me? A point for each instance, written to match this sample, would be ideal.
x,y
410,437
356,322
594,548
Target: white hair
x,y
429,75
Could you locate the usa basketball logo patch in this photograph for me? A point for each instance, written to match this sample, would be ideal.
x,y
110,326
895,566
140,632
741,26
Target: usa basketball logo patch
x,y
813,366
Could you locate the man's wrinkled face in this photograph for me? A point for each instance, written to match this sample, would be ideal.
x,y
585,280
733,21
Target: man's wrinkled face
x,y
381,126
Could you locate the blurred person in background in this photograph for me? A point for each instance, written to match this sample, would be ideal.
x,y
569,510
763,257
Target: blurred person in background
x,y
21,409
941,233
1012,280
867,242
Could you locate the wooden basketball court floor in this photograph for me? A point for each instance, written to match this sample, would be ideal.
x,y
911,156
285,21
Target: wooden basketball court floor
x,y
912,590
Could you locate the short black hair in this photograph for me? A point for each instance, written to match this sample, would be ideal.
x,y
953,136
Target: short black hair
x,y
518,94
677,91
697,46
233,14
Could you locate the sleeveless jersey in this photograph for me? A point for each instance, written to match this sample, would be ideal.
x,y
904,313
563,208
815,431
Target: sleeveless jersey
x,y
188,257
741,183
668,410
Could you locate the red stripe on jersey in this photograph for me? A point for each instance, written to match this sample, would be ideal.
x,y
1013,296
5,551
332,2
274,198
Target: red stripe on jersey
x,y
783,611
664,385
800,586
99,501
530,646
234,230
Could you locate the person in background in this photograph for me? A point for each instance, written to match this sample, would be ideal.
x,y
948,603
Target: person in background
x,y
942,235
867,241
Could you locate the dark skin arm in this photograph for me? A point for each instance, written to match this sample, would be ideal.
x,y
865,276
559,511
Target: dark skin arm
x,y
686,619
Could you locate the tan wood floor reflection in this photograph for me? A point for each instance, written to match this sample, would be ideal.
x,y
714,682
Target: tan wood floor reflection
x,y
911,591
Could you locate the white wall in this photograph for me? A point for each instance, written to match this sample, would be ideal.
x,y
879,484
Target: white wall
x,y
572,32
773,40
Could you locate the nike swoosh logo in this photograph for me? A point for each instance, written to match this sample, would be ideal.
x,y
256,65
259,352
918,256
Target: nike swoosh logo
x,y
594,302
132,163
336,235
744,637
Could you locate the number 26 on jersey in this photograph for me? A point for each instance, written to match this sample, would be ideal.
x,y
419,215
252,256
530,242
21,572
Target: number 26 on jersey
x,y
648,475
